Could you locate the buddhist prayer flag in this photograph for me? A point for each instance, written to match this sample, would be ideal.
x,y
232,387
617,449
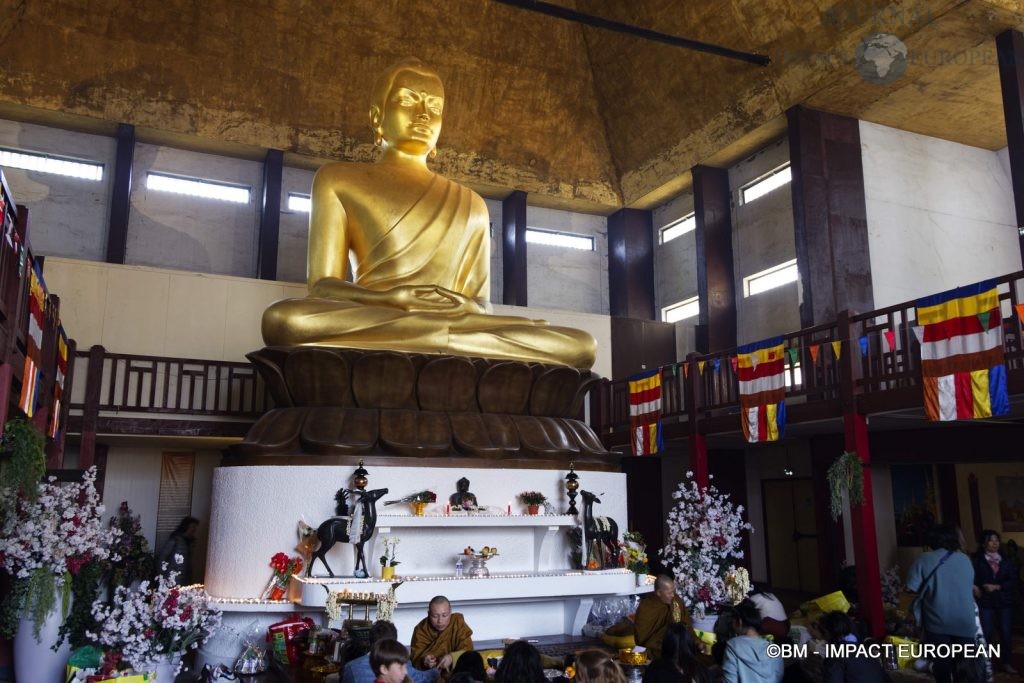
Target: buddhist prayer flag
x,y
837,347
58,383
890,339
762,389
700,366
645,412
1020,310
962,353
814,349
34,341
863,345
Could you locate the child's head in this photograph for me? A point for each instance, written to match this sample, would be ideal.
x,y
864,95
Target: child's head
x,y
746,617
387,659
597,666
834,626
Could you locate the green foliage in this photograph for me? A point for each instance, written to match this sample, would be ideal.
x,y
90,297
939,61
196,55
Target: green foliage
x,y
33,597
85,588
26,462
845,474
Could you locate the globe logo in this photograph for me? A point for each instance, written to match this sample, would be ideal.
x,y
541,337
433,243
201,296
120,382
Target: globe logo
x,y
881,58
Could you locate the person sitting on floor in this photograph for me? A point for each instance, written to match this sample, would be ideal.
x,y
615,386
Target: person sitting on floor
x,y
774,620
678,662
597,666
472,665
656,612
439,635
746,654
521,664
388,658
837,628
359,670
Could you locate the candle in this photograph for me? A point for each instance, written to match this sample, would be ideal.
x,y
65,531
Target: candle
x,y
447,509
510,508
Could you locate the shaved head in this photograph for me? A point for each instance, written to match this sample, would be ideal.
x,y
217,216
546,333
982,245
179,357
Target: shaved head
x,y
663,582
439,600
664,589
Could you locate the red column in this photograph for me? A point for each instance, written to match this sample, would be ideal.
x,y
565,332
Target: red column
x,y
698,442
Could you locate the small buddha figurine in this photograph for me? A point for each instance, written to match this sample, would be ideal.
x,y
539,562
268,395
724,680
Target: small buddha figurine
x,y
421,246
462,498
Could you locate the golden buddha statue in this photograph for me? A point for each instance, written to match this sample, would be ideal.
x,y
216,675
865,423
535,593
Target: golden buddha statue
x,y
422,250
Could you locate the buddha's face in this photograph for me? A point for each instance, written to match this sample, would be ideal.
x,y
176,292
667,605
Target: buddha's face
x,y
411,120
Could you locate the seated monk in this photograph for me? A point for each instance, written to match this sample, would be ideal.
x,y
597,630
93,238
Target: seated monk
x,y
440,634
421,246
656,612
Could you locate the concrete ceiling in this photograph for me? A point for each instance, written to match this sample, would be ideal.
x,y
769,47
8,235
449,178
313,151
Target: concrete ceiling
x,y
579,117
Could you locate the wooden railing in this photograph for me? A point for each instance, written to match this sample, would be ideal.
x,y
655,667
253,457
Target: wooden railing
x,y
153,384
881,369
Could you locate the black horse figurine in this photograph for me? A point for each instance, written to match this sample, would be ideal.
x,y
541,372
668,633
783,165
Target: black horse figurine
x,y
604,530
336,529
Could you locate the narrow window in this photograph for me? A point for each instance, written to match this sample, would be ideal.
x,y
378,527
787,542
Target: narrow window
x,y
48,163
552,238
300,203
765,184
779,275
680,311
678,227
199,187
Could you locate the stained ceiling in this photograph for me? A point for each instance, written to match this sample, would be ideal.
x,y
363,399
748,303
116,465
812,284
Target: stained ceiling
x,y
578,117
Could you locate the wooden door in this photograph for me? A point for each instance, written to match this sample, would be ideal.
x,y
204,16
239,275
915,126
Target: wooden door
x,y
790,534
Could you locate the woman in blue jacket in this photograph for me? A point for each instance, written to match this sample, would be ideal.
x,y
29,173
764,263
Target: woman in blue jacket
x,y
995,578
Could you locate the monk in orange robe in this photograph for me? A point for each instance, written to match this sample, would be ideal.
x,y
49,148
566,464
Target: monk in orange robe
x,y
439,635
656,612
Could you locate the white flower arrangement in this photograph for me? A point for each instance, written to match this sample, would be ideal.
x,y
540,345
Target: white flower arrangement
x,y
157,620
704,535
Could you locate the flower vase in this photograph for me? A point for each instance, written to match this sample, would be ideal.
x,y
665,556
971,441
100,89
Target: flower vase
x,y
387,572
533,509
705,623
418,508
166,669
35,660
276,592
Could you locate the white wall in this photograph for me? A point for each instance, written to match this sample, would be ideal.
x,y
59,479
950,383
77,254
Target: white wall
x,y
67,216
940,214
193,233
293,236
762,237
675,263
568,279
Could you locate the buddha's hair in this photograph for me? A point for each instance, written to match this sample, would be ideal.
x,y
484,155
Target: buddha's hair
x,y
386,80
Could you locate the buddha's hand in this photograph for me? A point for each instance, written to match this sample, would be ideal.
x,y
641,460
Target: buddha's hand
x,y
432,299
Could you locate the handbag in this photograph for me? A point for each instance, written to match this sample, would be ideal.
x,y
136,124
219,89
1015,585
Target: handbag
x,y
915,606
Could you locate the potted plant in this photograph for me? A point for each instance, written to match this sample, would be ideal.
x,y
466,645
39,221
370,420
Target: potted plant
x,y
636,555
704,534
388,560
152,628
532,500
51,533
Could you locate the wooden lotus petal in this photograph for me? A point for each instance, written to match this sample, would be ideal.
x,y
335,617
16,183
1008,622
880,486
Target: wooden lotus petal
x,y
415,433
544,436
585,438
448,384
318,377
484,435
505,388
276,432
384,380
554,392
269,363
340,431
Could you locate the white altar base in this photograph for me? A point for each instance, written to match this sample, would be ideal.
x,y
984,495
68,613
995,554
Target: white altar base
x,y
255,511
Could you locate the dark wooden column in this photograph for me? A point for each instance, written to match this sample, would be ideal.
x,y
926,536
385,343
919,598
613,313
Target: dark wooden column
x,y
829,215
121,197
1010,48
90,411
270,216
513,249
716,288
631,264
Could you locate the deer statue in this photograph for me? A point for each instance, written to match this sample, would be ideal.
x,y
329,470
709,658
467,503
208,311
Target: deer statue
x,y
353,526
604,530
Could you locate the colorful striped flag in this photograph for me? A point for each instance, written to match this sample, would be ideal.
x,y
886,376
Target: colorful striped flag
x,y
762,387
645,412
34,341
962,353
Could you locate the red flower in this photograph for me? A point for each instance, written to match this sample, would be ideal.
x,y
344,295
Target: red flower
x,y
719,539
186,613
704,594
279,562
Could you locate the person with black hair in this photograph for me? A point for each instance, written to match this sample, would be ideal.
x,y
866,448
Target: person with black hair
x,y
994,581
388,658
746,654
521,664
943,580
471,664
837,629
360,669
678,662
176,552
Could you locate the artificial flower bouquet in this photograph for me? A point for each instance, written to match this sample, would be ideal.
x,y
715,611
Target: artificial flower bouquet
x,y
636,552
532,498
424,496
48,536
284,567
154,623
704,539
135,561
389,558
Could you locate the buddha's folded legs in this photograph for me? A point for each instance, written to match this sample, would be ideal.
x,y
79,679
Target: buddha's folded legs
x,y
329,322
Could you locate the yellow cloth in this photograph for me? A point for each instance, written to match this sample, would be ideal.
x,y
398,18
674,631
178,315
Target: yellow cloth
x,y
653,618
428,641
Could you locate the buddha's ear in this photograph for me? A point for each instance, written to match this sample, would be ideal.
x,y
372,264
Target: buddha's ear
x,y
376,118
